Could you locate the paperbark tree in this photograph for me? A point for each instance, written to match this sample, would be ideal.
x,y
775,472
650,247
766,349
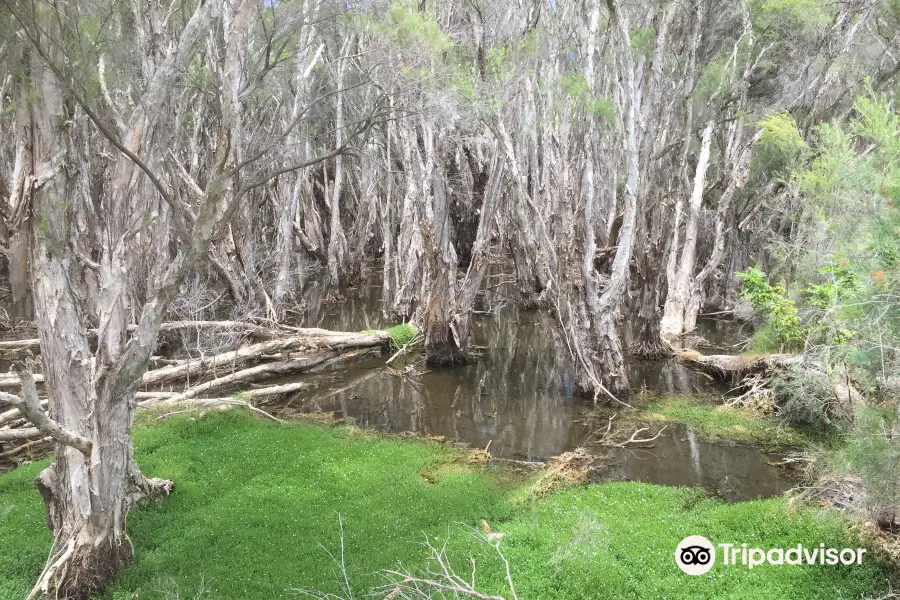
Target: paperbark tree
x,y
94,481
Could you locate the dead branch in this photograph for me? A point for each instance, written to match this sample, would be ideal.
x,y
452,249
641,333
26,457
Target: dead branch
x,y
24,447
263,332
418,338
30,407
163,398
19,435
305,339
284,367
194,404
723,365
636,440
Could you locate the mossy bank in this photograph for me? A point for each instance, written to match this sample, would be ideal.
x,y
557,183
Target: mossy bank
x,y
257,508
717,422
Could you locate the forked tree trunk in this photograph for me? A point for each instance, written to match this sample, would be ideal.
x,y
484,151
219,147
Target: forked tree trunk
x,y
681,280
448,314
86,490
94,481
337,242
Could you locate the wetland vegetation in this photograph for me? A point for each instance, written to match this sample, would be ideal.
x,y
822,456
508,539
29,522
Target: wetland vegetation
x,y
293,290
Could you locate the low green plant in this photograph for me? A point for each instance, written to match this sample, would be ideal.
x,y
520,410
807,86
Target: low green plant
x,y
257,506
716,422
771,301
873,453
401,334
805,398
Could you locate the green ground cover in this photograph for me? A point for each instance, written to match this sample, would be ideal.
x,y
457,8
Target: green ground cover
x,y
257,505
714,421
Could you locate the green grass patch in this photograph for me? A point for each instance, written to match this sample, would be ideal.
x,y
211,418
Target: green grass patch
x,y
616,540
257,504
716,422
764,341
401,334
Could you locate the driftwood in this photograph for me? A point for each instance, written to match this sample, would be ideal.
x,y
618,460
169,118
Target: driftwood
x,y
224,403
33,345
18,435
294,351
12,381
310,340
726,365
284,367
21,449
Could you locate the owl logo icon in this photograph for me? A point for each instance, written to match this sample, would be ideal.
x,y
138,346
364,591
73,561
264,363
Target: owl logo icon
x,y
695,555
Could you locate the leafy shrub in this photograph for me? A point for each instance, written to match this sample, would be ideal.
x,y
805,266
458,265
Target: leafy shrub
x,y
804,398
770,301
873,452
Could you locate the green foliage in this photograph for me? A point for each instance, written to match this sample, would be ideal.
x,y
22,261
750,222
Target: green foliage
x,y
786,19
576,87
873,453
763,340
407,26
402,334
711,78
849,182
257,503
497,63
805,398
642,39
772,303
716,422
781,143
615,541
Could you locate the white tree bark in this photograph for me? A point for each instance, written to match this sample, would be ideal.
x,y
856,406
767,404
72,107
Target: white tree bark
x,y
681,284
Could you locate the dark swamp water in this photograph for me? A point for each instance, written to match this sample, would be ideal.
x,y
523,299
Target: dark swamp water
x,y
519,396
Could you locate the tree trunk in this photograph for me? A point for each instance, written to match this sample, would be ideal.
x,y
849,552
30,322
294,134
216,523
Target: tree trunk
x,y
680,287
609,357
337,242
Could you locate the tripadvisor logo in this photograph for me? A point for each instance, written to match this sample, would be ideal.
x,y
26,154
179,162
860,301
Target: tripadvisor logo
x,y
696,555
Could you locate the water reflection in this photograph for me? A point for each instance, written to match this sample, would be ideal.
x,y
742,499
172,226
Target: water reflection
x,y
679,457
519,396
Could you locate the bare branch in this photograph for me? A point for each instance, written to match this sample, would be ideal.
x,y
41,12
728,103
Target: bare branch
x,y
30,407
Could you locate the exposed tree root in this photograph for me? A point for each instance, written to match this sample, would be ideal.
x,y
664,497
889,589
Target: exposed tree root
x,y
82,560
650,350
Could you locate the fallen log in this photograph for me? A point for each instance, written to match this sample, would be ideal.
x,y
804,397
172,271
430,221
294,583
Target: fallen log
x,y
263,392
307,340
17,435
299,339
12,381
726,365
24,447
744,367
198,403
259,331
13,415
